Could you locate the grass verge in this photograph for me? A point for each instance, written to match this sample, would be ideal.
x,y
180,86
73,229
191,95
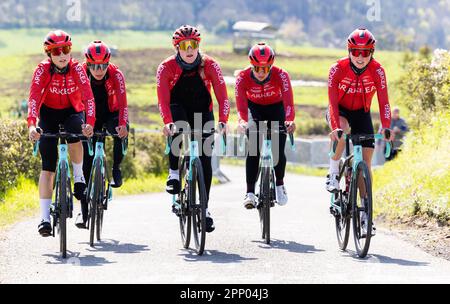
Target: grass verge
x,y
416,183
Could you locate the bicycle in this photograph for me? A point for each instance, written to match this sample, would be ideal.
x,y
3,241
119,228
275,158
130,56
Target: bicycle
x,y
266,177
190,204
97,197
62,208
355,189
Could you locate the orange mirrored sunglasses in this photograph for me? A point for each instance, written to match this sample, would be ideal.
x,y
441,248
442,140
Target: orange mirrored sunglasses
x,y
185,44
57,51
265,69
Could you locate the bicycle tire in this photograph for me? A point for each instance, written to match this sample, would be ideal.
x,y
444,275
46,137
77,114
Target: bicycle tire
x,y
265,204
93,199
362,244
342,218
100,212
198,207
100,208
62,207
185,219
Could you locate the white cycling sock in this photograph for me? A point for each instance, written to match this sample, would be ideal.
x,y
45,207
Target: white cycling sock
x,y
78,176
174,174
45,208
334,166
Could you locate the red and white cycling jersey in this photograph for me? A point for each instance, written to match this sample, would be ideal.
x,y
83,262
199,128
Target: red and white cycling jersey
x,y
117,94
169,73
60,91
355,92
277,89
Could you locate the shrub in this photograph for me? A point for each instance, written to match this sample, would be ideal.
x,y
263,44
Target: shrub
x,y
15,154
425,87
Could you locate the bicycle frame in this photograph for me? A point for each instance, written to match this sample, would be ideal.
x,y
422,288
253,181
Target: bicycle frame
x,y
62,161
357,156
101,156
193,152
266,155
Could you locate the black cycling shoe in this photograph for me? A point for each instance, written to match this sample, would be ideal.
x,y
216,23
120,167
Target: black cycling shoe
x,y
80,222
210,225
45,229
117,177
173,186
79,191
82,217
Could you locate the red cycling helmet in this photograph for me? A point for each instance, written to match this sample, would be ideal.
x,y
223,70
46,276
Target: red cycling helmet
x,y
56,39
185,32
361,39
97,52
261,55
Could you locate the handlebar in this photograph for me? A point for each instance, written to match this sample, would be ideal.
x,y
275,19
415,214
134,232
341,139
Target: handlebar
x,y
65,135
242,142
60,135
194,132
362,137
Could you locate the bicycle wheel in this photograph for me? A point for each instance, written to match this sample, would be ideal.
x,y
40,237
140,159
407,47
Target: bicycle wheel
x,y
100,210
265,203
362,187
184,213
93,198
62,207
342,217
197,201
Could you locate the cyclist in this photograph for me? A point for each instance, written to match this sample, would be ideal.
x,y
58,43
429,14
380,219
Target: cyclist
x,y
108,86
60,93
265,91
184,90
352,84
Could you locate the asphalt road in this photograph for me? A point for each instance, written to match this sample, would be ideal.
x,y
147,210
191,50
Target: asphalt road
x,y
142,245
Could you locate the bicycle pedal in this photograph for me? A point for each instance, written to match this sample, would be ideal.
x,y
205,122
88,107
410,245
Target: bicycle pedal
x,y
175,211
332,211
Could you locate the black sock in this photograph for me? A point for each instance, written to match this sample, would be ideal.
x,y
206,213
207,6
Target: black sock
x,y
84,210
280,182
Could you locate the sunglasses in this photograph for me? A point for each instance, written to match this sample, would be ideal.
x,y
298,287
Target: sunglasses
x,y
96,67
265,69
185,44
364,53
57,51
